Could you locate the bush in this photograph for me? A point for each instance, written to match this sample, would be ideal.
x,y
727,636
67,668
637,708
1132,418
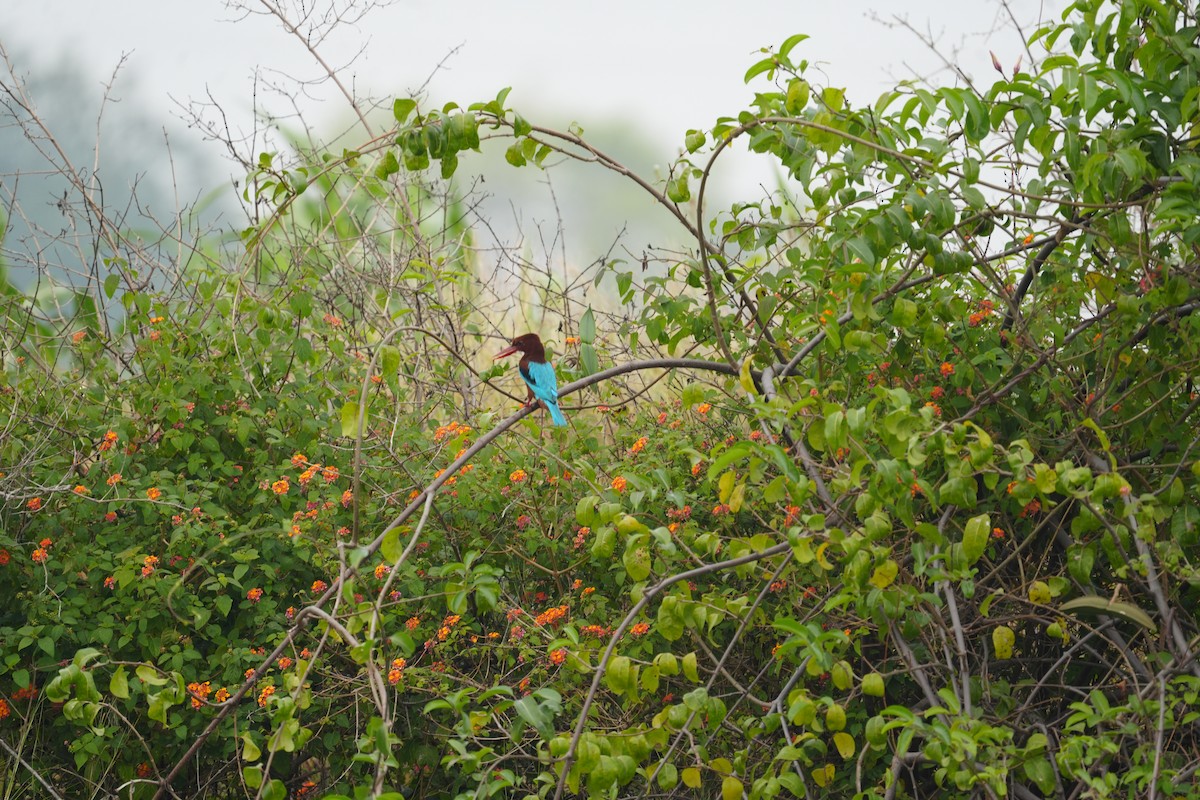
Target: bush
x,y
913,511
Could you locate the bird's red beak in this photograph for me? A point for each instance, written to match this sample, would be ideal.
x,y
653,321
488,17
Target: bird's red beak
x,y
508,351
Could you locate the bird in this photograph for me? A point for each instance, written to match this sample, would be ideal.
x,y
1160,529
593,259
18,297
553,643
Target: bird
x,y
537,372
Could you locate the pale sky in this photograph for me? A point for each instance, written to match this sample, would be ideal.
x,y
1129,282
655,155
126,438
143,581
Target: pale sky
x,y
654,69
673,65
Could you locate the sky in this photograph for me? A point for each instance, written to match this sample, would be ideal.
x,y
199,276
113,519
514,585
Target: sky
x,y
647,71
672,66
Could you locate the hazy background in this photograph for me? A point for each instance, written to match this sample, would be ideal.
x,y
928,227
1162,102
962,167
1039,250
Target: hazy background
x,y
637,75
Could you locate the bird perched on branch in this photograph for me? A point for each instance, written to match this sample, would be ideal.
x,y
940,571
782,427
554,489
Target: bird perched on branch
x,y
537,372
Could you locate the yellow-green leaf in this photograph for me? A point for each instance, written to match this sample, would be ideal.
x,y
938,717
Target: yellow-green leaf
x,y
823,776
689,668
1002,640
822,561
118,684
617,674
842,675
390,548
350,420
872,684
250,750
667,663
731,789
844,743
1039,592
725,486
884,574
691,777
737,498
746,379
835,718
636,561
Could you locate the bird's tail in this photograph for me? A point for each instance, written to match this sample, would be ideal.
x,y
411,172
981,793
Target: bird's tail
x,y
556,414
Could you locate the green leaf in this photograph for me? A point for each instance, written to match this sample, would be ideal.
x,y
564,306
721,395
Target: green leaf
x,y
797,96
118,684
535,715
617,676
250,750
389,358
350,428
790,42
678,191
668,777
402,107
1101,605
391,548
588,361
585,510
388,166
637,558
767,64
975,537
515,154
587,327
149,676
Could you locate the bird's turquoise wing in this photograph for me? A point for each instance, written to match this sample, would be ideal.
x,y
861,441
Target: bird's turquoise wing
x,y
541,380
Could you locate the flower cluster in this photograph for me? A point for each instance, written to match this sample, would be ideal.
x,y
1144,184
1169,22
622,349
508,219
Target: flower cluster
x,y
397,671
986,307
199,693
620,484
551,616
254,595
148,565
107,443
581,537
452,429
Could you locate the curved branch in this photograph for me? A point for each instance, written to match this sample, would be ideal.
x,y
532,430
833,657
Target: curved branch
x,y
650,594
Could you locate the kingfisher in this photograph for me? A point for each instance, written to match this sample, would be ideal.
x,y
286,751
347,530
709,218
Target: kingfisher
x,y
537,372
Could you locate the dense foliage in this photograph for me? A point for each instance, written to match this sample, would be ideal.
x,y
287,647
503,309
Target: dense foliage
x,y
889,488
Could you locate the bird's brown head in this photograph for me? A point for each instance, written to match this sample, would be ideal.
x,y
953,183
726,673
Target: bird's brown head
x,y
527,343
